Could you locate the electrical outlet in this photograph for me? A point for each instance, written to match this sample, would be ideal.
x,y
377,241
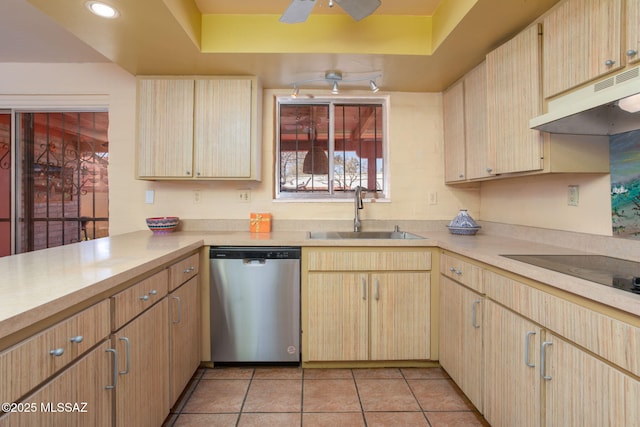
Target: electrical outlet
x,y
573,195
433,198
244,196
197,197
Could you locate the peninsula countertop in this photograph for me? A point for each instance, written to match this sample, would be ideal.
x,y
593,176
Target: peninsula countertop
x,y
38,284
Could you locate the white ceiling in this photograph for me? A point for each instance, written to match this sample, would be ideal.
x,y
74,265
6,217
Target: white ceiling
x,y
28,35
143,45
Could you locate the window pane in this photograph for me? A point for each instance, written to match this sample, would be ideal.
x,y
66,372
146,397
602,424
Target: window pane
x,y
358,147
304,147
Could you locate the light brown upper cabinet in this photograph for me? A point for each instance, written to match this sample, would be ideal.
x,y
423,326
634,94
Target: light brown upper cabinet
x,y
513,98
582,41
632,48
466,149
199,128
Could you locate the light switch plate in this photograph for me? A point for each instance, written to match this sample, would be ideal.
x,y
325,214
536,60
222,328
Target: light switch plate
x,y
149,197
573,195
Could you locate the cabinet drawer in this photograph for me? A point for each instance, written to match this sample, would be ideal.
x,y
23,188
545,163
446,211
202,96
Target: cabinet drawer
x,y
462,272
32,361
139,297
610,338
372,260
183,270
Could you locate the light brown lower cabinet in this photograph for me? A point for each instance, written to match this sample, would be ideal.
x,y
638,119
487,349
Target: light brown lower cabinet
x,y
534,377
79,396
512,385
142,389
368,316
461,337
184,336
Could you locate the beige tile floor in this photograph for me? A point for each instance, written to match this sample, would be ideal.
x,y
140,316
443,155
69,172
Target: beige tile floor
x,y
290,396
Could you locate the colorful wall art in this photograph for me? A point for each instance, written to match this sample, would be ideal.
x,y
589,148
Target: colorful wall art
x,y
625,184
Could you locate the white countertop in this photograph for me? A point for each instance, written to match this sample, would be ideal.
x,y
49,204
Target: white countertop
x,y
37,285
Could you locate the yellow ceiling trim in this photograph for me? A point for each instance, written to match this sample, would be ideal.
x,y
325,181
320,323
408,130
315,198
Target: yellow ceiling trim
x,y
188,16
385,34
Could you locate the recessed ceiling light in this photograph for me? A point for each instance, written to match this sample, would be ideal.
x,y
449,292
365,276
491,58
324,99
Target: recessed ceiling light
x,y
102,9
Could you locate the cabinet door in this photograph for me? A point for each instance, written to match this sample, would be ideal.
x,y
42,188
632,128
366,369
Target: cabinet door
x,y
400,316
461,332
184,336
142,392
165,128
513,79
471,383
581,43
223,128
512,386
454,137
338,316
81,392
581,390
632,48
450,328
480,157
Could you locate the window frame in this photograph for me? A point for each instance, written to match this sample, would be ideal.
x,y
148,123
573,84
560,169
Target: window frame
x,y
331,101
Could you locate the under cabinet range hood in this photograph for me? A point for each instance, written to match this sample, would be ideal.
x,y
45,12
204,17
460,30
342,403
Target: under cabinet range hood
x,y
598,109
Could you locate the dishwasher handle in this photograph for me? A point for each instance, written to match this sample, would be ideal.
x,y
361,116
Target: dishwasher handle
x,y
254,261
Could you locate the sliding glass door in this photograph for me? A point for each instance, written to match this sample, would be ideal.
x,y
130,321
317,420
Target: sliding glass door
x,y
62,178
5,183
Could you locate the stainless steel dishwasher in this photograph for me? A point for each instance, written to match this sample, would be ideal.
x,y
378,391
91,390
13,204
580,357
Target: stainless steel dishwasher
x,y
255,304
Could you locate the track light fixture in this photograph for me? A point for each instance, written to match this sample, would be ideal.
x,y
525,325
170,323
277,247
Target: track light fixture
x,y
335,78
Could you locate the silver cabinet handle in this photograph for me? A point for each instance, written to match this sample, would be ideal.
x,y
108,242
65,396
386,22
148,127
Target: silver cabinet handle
x,y
153,292
632,52
461,175
57,352
473,313
77,339
188,173
527,339
179,310
364,288
543,350
489,170
115,368
377,289
144,297
189,270
127,346
609,62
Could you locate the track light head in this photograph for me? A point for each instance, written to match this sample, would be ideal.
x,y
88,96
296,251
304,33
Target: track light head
x,y
335,89
373,86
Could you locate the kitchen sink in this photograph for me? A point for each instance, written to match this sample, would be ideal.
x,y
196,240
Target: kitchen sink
x,y
337,235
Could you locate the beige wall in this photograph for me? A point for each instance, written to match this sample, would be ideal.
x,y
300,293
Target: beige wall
x,y
541,201
415,138
416,161
416,165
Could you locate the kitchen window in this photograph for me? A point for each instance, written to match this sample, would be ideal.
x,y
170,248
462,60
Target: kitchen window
x,y
326,148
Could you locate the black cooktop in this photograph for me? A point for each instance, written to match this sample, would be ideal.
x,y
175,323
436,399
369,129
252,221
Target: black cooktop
x,y
615,272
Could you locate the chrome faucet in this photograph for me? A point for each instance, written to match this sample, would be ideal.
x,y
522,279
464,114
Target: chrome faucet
x,y
357,201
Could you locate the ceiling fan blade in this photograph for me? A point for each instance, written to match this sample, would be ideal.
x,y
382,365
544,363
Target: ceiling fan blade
x,y
359,9
298,11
